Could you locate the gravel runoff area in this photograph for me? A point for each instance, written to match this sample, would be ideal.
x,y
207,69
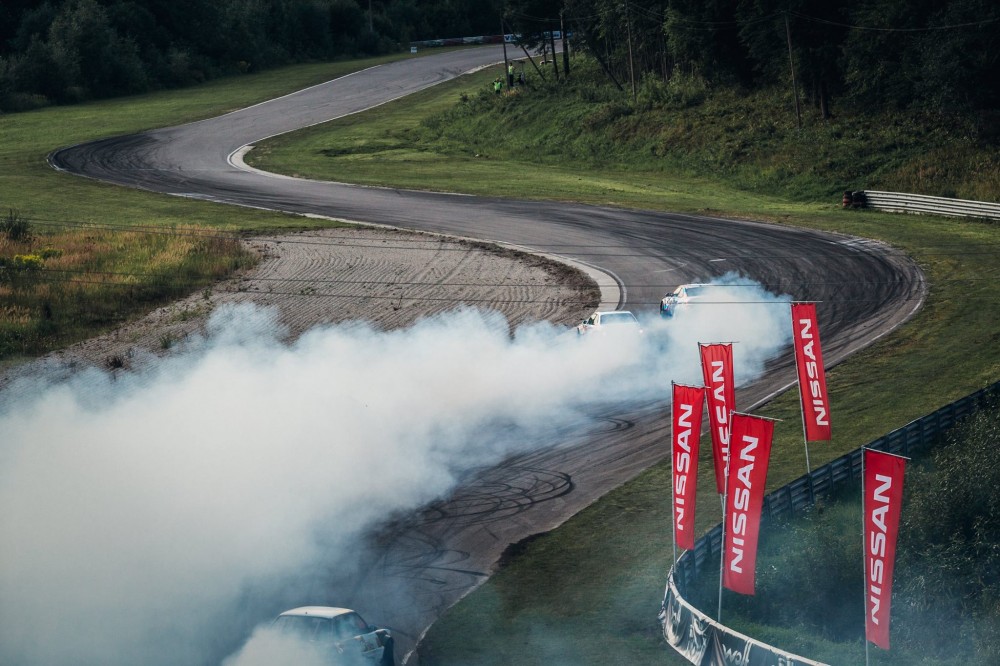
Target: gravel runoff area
x,y
385,276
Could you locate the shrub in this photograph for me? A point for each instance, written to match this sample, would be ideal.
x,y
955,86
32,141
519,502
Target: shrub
x,y
946,597
27,262
607,114
948,576
15,226
50,253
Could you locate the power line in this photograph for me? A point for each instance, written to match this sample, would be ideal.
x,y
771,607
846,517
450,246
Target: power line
x,y
930,28
381,243
309,285
451,299
481,284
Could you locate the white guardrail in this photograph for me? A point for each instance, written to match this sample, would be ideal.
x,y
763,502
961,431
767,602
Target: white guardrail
x,y
898,202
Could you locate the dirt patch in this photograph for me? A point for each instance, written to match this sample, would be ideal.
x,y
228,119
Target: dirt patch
x,y
386,277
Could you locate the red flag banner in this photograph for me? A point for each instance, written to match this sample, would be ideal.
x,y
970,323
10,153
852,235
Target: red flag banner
x,y
812,376
883,498
717,370
751,452
687,408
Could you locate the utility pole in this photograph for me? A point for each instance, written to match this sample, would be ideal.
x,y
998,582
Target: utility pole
x,y
506,64
791,63
631,62
552,44
370,27
541,74
565,44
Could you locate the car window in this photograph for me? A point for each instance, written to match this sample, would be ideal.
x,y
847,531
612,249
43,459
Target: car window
x,y
359,623
348,625
618,318
309,628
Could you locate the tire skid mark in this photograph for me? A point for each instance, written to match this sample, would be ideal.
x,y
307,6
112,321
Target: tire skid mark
x,y
499,493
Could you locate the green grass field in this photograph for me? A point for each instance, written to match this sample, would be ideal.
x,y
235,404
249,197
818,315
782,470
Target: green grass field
x,y
60,207
589,591
30,185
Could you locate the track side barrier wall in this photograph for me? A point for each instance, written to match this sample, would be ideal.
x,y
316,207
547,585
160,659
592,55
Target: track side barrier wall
x,y
703,641
898,202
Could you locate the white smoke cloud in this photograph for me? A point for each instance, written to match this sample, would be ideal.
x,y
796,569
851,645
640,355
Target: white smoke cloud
x,y
267,647
138,509
733,309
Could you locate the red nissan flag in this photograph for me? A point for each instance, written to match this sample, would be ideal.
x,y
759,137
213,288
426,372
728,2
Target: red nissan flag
x,y
812,377
751,452
883,481
687,412
717,370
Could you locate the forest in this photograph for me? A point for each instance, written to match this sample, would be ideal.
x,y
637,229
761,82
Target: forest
x,y
927,54
936,55
65,51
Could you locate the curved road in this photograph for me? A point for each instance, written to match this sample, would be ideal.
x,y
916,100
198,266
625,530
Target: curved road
x,y
866,289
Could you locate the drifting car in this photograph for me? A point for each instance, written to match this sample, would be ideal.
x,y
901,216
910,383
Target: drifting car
x,y
340,633
617,320
681,296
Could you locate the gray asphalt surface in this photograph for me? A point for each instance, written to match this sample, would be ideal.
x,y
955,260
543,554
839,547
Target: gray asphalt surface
x,y
428,561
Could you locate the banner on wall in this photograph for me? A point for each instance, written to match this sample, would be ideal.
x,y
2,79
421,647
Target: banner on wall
x,y
717,371
812,376
687,408
705,642
883,496
750,453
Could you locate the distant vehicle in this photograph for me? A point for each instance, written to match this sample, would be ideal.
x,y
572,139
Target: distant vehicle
x,y
340,633
617,320
682,295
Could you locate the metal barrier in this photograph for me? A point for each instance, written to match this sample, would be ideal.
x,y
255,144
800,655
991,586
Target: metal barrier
x,y
897,202
705,640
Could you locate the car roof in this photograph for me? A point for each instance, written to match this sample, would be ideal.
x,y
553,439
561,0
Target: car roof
x,y
318,611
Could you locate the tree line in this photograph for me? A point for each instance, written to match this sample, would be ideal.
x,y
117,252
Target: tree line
x,y
906,54
929,54
63,51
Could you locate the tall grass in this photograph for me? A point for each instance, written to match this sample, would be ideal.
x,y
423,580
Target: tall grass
x,y
59,286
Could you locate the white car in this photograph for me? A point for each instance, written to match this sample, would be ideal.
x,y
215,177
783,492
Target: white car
x,y
682,295
615,320
342,635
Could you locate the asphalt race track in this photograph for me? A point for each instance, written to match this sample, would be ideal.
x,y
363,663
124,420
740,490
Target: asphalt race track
x,y
865,289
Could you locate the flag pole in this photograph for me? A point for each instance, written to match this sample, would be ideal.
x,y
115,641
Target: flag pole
x,y
673,488
722,557
722,543
802,406
805,437
864,571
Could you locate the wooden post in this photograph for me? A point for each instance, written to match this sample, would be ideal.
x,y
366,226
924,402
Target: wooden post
x,y
552,43
532,61
565,44
506,64
631,62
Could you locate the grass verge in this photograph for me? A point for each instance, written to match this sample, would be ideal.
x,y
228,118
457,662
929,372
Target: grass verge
x,y
589,591
102,254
